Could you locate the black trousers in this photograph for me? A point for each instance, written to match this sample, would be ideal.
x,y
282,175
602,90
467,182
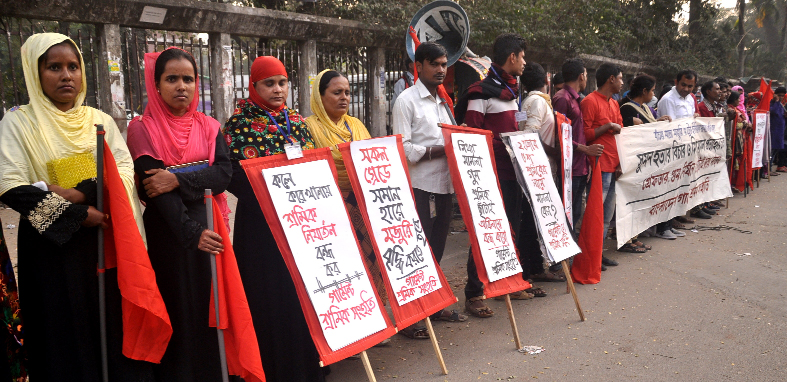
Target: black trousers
x,y
435,228
780,157
523,228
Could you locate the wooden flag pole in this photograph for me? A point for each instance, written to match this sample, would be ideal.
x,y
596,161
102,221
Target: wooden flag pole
x,y
435,345
368,367
570,284
511,319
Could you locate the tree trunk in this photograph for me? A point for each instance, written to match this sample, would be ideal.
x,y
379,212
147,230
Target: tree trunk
x,y
695,27
741,33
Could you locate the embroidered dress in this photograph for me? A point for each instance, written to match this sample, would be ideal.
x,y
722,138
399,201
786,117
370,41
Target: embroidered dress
x,y
250,133
12,337
286,347
57,256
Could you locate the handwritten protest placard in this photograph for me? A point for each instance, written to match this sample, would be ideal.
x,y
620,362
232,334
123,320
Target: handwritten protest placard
x,y
567,150
321,237
489,219
761,125
416,285
535,177
668,168
406,255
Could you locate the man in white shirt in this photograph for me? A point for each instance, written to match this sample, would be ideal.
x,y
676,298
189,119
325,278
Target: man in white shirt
x,y
678,102
417,113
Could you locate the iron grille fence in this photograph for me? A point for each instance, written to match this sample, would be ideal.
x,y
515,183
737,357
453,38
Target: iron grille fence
x,y
12,80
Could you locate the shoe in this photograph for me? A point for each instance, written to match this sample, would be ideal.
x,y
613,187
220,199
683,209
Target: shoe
x,y
667,234
608,262
603,268
708,211
684,220
677,233
700,214
677,224
713,207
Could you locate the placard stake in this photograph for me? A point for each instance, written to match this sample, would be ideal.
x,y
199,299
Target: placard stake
x,y
435,345
512,320
368,367
570,284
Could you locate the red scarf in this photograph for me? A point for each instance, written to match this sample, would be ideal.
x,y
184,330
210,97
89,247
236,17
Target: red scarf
x,y
262,68
171,139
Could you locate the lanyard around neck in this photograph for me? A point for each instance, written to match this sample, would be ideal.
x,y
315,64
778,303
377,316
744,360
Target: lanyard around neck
x,y
519,98
348,129
289,128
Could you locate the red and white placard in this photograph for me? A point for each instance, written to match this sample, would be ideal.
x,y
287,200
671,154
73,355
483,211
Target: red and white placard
x,y
315,222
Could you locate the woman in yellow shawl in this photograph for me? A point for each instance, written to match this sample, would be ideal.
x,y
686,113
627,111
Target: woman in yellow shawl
x,y
330,126
51,142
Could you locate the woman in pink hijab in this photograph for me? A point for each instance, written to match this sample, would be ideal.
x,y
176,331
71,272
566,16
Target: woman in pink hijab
x,y
742,104
179,152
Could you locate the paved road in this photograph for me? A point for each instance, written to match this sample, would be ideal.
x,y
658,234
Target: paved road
x,y
690,309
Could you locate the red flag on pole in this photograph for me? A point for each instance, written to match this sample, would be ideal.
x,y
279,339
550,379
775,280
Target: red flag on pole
x,y
146,325
240,340
767,96
586,268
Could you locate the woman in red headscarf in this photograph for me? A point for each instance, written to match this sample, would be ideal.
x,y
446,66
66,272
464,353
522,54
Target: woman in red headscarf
x,y
260,126
179,152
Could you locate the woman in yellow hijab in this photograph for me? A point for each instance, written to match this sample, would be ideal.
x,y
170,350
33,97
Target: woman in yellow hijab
x,y
330,126
48,167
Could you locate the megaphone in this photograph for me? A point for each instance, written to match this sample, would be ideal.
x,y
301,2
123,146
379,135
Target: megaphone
x,y
443,22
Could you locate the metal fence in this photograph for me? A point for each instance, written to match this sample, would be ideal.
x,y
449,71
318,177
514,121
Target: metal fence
x,y
245,50
136,42
351,61
12,80
395,66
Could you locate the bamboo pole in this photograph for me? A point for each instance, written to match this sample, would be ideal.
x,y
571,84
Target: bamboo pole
x,y
512,320
436,346
570,284
368,367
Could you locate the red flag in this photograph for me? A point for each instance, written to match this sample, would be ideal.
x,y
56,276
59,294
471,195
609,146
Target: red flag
x,y
767,96
586,268
146,325
240,340
440,89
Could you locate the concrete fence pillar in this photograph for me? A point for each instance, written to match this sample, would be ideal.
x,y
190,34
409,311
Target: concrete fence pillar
x,y
307,71
221,81
376,80
111,94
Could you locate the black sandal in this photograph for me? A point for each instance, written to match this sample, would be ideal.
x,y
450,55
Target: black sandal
x,y
628,247
536,291
415,333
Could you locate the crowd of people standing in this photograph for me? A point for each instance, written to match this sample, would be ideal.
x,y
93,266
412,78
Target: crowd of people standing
x,y
173,153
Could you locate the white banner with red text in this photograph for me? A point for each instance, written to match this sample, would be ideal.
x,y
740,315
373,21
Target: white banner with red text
x,y
668,168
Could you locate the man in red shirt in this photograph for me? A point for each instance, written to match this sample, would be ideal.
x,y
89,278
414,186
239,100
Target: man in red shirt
x,y
710,96
602,121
